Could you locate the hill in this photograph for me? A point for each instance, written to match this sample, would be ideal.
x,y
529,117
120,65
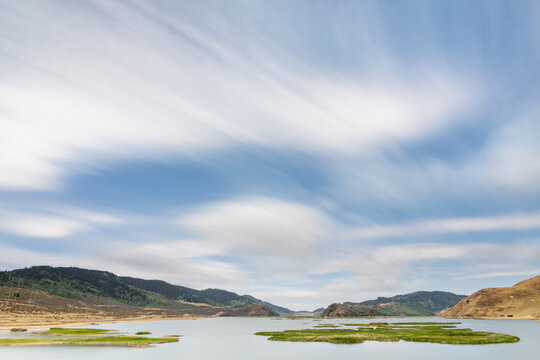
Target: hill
x,y
105,288
520,301
344,310
420,303
279,309
415,304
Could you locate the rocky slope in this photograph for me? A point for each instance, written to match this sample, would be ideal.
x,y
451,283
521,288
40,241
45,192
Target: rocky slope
x,y
342,310
521,301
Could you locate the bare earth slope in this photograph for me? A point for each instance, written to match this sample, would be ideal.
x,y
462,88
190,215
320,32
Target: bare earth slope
x,y
342,310
36,309
521,301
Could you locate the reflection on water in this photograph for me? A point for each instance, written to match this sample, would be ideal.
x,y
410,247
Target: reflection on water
x,y
232,338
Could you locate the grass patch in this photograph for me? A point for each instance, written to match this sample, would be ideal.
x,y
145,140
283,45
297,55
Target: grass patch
x,y
18,330
77,332
440,333
426,323
131,341
74,336
398,325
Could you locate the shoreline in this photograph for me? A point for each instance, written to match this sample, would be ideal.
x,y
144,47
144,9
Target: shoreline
x,y
33,324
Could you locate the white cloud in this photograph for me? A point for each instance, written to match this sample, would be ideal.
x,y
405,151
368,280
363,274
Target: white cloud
x,y
511,157
261,225
503,166
62,223
450,225
529,272
130,88
40,226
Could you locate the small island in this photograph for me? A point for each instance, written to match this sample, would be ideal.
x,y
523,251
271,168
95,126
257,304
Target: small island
x,y
87,337
440,333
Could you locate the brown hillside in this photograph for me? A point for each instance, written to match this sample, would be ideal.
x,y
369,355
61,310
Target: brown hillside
x,y
259,310
521,301
342,310
37,309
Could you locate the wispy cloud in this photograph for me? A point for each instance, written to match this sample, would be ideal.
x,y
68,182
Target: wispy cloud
x,y
263,226
524,273
406,126
450,226
61,223
147,85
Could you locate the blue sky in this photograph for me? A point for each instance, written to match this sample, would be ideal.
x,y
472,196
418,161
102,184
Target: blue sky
x,y
304,152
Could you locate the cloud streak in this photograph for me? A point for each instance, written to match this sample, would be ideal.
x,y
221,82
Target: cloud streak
x,y
261,226
148,86
515,222
53,225
263,145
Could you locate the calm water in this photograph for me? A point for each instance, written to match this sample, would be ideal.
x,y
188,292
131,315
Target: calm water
x,y
232,338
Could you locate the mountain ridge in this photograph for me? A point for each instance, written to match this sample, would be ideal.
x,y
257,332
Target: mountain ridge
x,y
419,303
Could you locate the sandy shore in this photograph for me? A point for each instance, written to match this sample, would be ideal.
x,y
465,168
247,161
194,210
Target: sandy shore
x,y
31,322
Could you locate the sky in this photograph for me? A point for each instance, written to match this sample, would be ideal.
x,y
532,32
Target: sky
x,y
303,152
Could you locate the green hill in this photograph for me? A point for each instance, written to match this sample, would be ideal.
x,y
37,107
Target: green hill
x,y
416,303
420,303
76,283
102,287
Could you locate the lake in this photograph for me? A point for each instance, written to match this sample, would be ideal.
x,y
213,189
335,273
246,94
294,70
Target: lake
x,y
232,338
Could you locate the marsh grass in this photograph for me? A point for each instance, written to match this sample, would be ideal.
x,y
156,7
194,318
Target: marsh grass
x,y
441,333
143,333
131,341
426,323
77,332
75,336
18,330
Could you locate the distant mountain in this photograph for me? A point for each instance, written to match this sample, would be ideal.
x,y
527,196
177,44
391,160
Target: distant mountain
x,y
416,303
280,310
420,303
521,301
102,287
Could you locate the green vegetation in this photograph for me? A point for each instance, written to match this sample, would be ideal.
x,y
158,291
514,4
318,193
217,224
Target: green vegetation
x,y
427,323
75,283
440,333
408,325
77,332
132,341
18,330
102,287
420,303
75,336
143,333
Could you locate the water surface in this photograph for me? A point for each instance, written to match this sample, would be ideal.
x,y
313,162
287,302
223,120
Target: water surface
x,y
232,338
